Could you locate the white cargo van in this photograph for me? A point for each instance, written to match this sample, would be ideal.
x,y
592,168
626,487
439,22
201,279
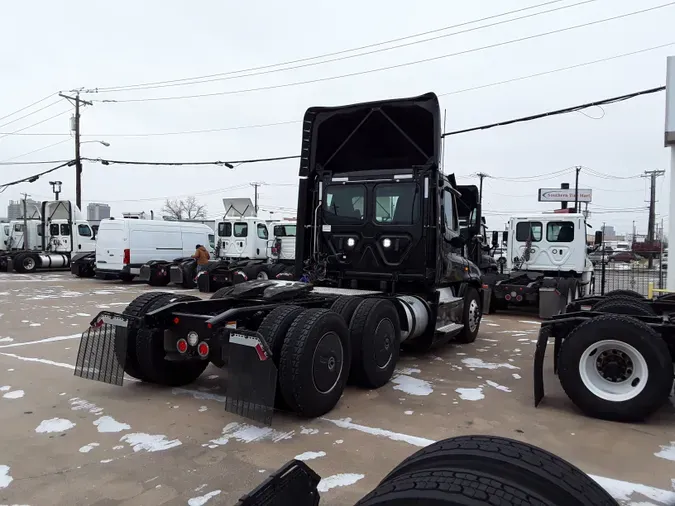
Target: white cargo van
x,y
124,245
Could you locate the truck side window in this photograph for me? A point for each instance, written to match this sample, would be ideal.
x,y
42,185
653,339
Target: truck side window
x,y
6,228
528,231
53,229
344,203
40,229
225,229
241,229
448,206
18,227
560,231
65,229
84,230
212,241
262,231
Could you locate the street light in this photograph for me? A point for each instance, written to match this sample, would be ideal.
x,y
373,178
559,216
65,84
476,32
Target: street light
x,y
106,144
56,188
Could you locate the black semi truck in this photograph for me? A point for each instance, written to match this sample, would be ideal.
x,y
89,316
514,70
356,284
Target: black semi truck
x,y
379,248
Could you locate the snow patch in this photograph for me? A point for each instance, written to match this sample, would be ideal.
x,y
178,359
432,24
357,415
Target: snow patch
x,y
309,431
5,478
493,325
202,409
109,424
516,376
478,363
201,500
54,425
77,404
408,412
5,388
82,314
6,339
412,386
498,386
470,394
88,448
106,461
149,442
340,441
14,394
408,371
346,423
200,396
246,433
338,480
310,455
624,491
530,322
667,452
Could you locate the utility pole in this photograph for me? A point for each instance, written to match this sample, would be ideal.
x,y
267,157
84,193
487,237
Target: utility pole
x,y
652,174
25,221
481,176
576,190
76,129
255,198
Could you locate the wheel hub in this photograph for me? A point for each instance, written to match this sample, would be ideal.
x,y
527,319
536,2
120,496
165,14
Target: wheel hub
x,y
327,362
474,315
384,336
614,365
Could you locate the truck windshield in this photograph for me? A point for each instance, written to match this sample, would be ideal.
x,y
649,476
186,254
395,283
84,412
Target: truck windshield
x,y
397,204
344,203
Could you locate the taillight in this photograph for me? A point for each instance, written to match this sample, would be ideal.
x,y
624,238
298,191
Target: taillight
x,y
203,349
182,345
127,257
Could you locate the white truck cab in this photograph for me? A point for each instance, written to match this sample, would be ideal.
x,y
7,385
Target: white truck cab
x,y
242,238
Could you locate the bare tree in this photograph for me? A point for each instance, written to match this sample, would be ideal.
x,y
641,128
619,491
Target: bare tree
x,y
188,209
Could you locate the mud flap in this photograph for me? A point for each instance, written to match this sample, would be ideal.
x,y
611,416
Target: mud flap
x,y
145,273
103,349
252,377
539,354
294,483
556,353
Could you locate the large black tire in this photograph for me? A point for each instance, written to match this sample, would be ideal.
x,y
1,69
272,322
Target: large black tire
x,y
532,468
314,363
150,352
222,292
274,329
595,340
453,487
136,308
625,293
375,331
471,317
127,278
156,279
625,305
345,306
17,262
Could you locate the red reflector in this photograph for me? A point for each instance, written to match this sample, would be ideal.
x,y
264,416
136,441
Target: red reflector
x,y
209,325
507,297
182,345
98,324
203,349
176,320
127,257
485,287
519,298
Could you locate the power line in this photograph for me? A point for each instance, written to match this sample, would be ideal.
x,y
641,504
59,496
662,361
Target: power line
x,y
40,162
225,163
34,124
30,113
389,67
294,122
559,111
34,151
270,69
34,177
27,107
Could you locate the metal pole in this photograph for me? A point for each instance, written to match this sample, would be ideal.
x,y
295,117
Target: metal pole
x,y
603,271
576,191
25,222
78,160
661,257
670,272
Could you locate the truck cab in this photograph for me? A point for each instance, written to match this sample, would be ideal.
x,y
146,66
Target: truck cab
x,y
242,238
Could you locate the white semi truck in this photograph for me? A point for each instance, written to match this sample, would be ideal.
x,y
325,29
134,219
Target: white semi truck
x,y
54,240
547,263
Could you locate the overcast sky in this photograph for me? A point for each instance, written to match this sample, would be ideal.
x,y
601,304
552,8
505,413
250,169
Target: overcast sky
x,y
52,46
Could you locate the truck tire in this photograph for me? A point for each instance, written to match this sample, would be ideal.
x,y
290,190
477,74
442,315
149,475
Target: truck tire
x,y
624,305
127,278
625,293
375,335
17,261
156,279
274,329
222,292
345,306
615,367
314,362
151,355
533,468
454,487
136,308
471,317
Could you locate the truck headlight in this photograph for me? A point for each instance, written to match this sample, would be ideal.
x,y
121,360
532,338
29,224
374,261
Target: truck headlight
x,y
192,338
351,242
386,243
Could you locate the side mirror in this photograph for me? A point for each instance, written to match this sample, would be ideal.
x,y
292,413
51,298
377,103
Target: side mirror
x,y
457,241
495,239
598,237
506,236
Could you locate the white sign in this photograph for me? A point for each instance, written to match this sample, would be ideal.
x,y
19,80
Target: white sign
x,y
561,195
670,102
